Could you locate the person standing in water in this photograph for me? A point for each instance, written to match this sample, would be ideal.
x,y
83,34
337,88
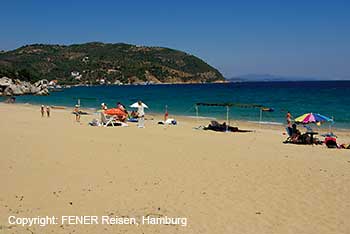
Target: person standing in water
x,y
141,114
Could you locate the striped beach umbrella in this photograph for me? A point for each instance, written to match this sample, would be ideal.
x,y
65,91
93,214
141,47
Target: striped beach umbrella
x,y
312,118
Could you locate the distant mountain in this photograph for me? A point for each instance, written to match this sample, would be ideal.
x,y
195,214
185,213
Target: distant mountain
x,y
96,63
269,77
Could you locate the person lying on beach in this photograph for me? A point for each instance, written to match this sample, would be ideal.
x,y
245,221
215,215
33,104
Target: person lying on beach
x,y
331,142
169,121
216,126
344,146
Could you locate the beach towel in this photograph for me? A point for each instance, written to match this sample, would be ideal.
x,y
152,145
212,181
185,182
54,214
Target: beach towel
x,y
133,120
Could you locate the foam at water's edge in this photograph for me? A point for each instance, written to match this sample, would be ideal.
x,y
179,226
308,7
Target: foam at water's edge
x,y
266,122
180,100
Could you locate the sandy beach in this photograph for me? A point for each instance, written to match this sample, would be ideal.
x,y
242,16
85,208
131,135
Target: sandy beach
x,y
221,182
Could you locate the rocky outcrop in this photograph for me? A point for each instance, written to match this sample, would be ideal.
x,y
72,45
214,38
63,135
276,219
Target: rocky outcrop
x,y
15,87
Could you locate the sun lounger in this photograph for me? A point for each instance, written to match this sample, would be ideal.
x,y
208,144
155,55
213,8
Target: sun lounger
x,y
107,120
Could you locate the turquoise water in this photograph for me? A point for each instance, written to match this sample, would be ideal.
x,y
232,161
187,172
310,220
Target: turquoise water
x,y
330,98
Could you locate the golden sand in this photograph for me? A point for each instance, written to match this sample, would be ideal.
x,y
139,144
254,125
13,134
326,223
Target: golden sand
x,y
221,182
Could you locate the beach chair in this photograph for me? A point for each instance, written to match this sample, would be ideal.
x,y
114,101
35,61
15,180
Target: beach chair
x,y
107,120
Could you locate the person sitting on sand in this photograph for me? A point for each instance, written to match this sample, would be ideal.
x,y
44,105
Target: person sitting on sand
x,y
76,111
305,139
295,134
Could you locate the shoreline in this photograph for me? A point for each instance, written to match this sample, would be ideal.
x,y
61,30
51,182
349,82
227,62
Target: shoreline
x,y
220,182
191,118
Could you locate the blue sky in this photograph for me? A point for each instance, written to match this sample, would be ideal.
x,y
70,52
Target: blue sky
x,y
290,38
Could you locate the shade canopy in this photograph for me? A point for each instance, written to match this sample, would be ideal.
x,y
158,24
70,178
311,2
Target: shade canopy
x,y
115,111
229,104
136,104
312,118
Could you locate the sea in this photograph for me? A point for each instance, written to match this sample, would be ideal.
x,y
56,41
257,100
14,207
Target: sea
x,y
329,98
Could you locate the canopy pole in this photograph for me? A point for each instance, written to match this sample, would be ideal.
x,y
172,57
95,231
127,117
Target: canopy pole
x,y
196,107
165,114
227,113
166,117
330,125
260,116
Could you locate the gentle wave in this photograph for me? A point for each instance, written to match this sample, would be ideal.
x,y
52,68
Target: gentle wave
x,y
329,98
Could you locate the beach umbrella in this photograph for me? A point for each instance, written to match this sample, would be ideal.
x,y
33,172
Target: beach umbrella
x,y
135,105
115,111
312,118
